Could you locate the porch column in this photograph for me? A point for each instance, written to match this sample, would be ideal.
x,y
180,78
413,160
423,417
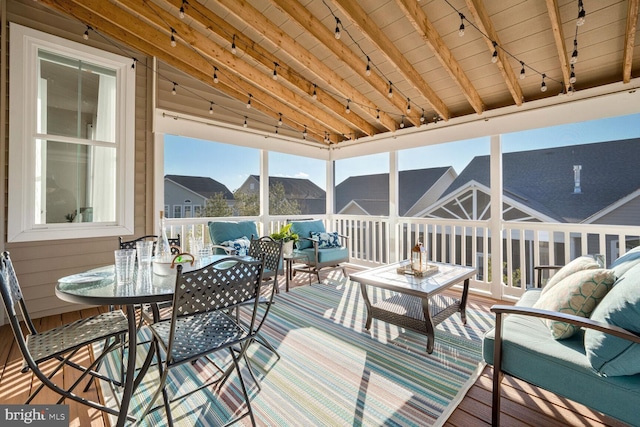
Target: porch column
x,y
394,196
495,224
264,218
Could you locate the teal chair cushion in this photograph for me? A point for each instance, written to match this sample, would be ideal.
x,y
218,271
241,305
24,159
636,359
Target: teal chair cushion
x,y
609,355
328,255
304,229
222,231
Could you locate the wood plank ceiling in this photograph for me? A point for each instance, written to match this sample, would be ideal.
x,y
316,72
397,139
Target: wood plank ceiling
x,y
335,70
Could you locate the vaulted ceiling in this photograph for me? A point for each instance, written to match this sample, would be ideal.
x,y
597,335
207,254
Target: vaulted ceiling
x,y
336,70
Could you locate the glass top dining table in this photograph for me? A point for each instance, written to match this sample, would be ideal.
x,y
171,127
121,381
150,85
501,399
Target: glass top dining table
x,y
98,287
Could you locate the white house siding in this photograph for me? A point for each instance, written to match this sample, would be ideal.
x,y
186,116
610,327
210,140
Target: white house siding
x,y
40,264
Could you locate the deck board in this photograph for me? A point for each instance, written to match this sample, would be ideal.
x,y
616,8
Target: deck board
x,y
522,405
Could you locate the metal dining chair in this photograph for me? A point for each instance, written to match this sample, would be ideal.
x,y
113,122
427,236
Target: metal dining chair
x,y
202,322
61,343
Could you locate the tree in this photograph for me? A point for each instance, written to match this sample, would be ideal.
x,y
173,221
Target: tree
x,y
216,206
278,202
247,204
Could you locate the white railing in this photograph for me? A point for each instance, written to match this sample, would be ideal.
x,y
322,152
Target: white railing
x,y
377,240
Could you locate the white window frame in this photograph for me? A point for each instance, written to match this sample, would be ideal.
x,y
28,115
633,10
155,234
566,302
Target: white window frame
x,y
21,226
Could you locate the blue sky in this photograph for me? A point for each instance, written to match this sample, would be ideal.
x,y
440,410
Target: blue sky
x,y
241,162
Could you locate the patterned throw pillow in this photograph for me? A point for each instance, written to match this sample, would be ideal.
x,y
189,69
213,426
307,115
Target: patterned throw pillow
x,y
576,294
584,262
241,245
326,240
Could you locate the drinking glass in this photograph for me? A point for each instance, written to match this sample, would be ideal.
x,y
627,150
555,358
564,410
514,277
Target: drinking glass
x,y
144,250
125,262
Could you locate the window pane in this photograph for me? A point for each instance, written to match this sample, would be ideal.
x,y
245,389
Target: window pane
x,y
74,183
75,98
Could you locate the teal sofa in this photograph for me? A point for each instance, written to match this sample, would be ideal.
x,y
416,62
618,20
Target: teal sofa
x,y
321,249
599,366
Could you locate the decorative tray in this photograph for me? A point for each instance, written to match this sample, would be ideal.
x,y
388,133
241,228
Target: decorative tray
x,y
406,269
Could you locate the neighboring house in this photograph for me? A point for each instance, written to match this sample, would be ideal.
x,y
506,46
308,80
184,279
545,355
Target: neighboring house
x,y
589,183
595,183
185,196
311,198
369,194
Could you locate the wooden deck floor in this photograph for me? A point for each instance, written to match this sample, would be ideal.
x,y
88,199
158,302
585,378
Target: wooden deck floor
x,y
522,404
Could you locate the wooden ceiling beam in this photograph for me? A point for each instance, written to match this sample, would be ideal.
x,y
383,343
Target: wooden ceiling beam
x,y
358,17
558,35
414,13
629,39
223,58
243,11
484,24
326,36
111,21
213,25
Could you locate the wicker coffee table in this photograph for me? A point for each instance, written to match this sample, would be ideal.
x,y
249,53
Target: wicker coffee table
x,y
417,304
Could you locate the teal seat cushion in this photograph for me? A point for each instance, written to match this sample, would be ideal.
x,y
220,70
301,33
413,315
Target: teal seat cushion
x,y
531,354
304,229
222,231
609,355
328,255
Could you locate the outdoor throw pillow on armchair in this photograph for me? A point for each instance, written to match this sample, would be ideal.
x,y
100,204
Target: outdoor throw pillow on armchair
x,y
232,237
322,249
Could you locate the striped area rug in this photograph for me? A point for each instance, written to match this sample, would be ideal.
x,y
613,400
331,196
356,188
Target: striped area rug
x,y
333,372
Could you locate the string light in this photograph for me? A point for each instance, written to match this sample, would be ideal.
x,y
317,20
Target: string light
x,y
570,90
522,72
315,94
304,132
133,64
408,106
572,76
182,10
279,119
422,118
368,70
211,108
86,33
275,71
378,116
581,14
173,39
249,101
348,110
461,29
215,75
233,45
543,86
245,122
390,94
337,33
276,130
173,91
402,122
494,57
574,55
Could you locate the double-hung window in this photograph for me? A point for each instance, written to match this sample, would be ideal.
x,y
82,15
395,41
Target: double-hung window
x,y
71,139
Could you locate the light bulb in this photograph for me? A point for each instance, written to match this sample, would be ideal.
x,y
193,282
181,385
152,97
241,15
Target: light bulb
x,y
494,57
572,78
280,120
581,18
215,77
315,94
378,116
522,73
543,87
173,91
181,12
173,41
461,30
211,109
390,94
574,57
245,123
86,35
368,70
348,110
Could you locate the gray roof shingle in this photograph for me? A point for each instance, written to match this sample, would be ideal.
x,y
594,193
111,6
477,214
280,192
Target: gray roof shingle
x,y
205,186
